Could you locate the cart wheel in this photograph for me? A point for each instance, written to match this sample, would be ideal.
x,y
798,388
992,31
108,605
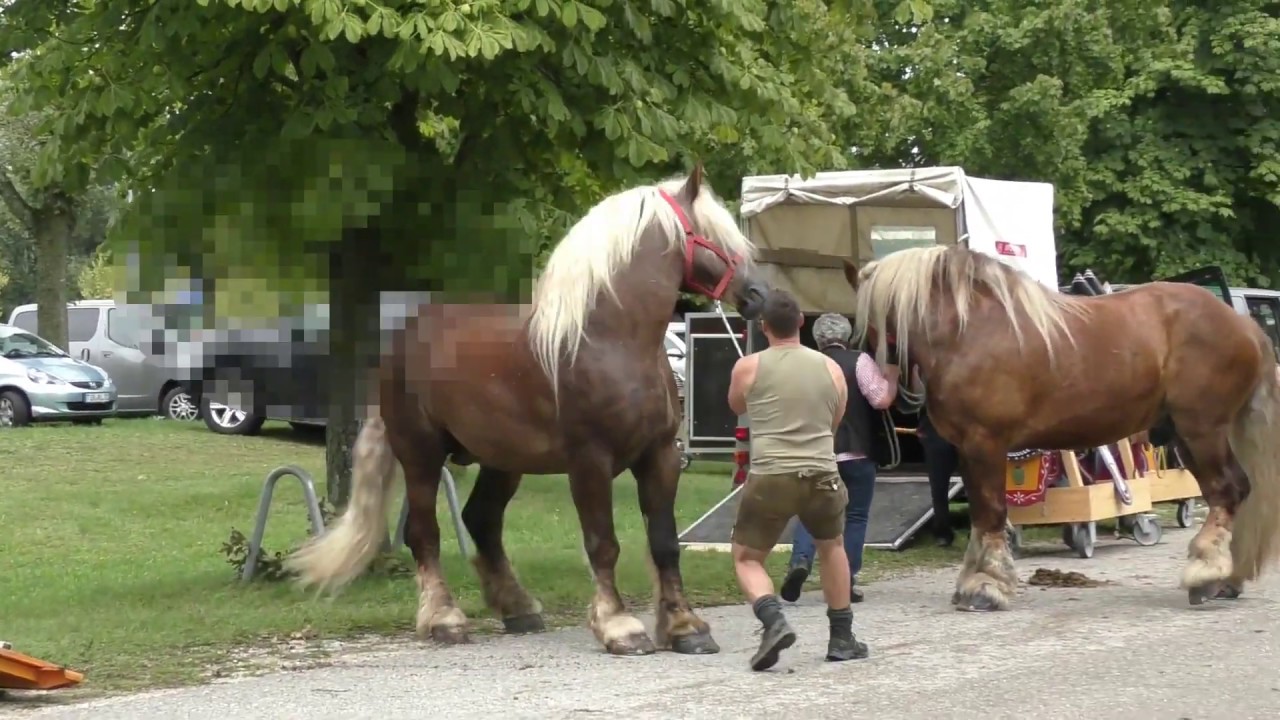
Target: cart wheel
x,y
1082,541
1146,530
1186,513
1069,535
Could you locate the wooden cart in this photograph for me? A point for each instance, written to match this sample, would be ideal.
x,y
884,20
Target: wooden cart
x,y
1172,484
1077,506
23,672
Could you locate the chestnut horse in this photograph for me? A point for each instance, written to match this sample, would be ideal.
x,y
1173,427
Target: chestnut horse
x,y
1009,364
577,383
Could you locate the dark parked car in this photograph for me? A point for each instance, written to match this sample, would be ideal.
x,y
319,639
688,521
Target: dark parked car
x,y
241,377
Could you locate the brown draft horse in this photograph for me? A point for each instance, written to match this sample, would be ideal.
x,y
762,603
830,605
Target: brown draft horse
x,y
577,383
1009,364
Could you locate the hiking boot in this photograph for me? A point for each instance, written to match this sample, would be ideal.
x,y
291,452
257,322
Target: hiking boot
x,y
793,583
840,649
773,641
855,595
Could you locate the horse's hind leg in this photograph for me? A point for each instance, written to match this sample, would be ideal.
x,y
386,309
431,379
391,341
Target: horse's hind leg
x,y
483,516
987,578
592,486
1209,457
422,458
657,476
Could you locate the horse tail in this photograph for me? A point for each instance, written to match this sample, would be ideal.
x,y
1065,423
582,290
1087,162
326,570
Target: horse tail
x,y
1255,539
342,553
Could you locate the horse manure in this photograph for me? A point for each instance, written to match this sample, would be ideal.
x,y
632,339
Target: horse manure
x,y
1056,578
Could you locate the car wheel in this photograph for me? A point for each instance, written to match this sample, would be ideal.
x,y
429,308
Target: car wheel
x,y
15,411
178,405
228,420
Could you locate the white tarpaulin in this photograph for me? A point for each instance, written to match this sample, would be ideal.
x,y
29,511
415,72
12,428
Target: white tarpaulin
x,y
806,228
1014,222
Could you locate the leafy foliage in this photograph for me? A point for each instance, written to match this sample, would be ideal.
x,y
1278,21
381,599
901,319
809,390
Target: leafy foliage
x,y
1156,123
480,122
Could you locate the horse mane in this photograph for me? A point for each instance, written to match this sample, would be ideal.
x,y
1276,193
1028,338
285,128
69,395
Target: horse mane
x,y
600,244
902,284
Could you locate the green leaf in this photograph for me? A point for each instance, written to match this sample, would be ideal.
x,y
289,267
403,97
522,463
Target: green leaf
x,y
489,47
592,18
332,28
298,125
569,13
902,13
262,63
373,26
352,28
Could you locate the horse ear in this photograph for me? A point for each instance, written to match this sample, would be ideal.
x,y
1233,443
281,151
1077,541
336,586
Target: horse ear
x,y
694,184
851,274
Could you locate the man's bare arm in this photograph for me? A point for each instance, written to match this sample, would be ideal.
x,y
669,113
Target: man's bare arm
x,y
740,381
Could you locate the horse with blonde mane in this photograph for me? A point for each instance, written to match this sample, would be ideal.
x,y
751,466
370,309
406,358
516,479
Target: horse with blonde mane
x,y
577,383
1009,365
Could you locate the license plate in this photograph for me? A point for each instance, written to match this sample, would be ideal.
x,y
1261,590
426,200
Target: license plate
x,y
97,397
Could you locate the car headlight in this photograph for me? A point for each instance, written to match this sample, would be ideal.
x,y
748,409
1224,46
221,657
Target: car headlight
x,y
40,377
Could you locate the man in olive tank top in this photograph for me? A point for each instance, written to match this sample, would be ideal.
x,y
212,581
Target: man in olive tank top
x,y
794,398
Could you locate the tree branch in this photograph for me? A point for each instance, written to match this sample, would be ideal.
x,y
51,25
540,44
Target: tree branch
x,y
403,121
17,205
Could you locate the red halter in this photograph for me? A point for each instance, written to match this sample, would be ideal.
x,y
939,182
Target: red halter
x,y
692,241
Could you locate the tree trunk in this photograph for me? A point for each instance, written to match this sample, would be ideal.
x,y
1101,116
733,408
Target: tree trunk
x,y
53,226
353,347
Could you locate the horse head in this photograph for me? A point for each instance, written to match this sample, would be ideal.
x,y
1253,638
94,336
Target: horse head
x,y
717,258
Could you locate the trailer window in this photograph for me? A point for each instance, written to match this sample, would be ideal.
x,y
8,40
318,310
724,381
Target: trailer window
x,y
886,239
1266,312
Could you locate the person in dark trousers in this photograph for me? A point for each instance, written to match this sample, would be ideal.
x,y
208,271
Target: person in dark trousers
x,y
794,398
876,391
941,460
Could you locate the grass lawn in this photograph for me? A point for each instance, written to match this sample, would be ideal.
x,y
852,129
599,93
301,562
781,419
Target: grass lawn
x,y
112,535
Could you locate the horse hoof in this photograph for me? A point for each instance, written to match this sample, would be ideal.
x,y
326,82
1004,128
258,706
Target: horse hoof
x,y
978,604
955,598
524,624
450,635
1199,595
695,644
631,645
1228,592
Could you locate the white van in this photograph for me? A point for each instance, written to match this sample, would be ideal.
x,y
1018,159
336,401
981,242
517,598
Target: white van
x,y
1258,303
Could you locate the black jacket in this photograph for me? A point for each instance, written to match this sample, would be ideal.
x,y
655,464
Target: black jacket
x,y
854,433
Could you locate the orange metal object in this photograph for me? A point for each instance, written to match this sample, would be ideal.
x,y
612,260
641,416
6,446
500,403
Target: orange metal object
x,y
23,672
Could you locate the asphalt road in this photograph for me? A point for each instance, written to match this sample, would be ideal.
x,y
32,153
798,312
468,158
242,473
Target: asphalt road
x,y
1132,648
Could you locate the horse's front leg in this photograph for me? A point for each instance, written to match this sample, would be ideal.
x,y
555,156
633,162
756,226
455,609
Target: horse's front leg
x,y
987,578
678,628
592,487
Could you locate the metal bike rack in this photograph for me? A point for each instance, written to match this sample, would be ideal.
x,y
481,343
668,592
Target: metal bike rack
x,y
317,519
264,505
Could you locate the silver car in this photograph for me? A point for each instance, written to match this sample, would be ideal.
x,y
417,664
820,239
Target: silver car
x,y
41,383
98,332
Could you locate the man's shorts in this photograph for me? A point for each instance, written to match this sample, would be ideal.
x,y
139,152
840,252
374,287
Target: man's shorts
x,y
769,502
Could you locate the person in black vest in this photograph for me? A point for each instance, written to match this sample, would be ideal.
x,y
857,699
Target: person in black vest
x,y
940,459
876,391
